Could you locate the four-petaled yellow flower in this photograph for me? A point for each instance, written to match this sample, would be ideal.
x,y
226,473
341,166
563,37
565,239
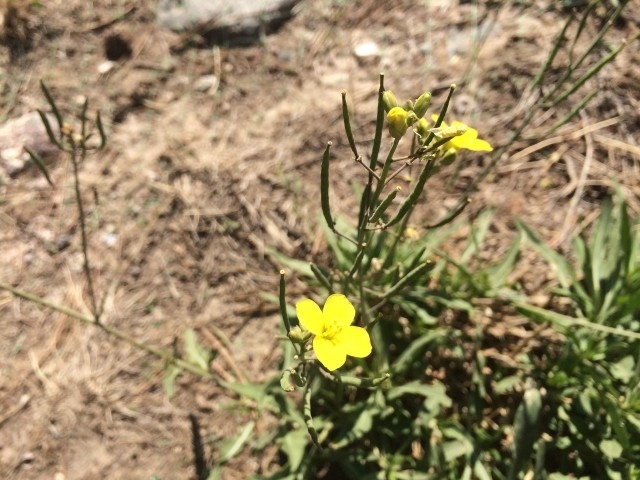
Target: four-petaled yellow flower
x,y
468,140
335,337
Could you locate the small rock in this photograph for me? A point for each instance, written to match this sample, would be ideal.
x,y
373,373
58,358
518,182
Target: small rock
x,y
367,49
106,67
204,83
224,20
62,242
109,239
28,131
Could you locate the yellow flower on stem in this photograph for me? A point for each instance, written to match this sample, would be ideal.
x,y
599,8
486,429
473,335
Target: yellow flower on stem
x,y
335,337
468,140
397,121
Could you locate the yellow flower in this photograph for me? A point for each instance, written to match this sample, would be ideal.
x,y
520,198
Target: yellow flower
x,y
335,337
468,140
397,119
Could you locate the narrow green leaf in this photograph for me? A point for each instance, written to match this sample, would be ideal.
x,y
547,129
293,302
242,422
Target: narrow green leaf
x,y
47,127
39,163
231,447
565,272
168,380
526,430
195,353
294,444
54,108
411,354
103,136
291,263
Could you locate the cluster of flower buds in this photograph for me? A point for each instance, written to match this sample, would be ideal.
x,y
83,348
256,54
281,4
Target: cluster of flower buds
x,y
401,118
411,114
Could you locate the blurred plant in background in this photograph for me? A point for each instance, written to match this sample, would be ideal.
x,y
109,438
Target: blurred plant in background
x,y
403,387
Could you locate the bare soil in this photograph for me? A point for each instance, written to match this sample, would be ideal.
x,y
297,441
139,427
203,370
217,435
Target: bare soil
x,y
196,186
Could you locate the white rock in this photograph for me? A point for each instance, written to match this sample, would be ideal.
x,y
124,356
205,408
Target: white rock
x,y
367,49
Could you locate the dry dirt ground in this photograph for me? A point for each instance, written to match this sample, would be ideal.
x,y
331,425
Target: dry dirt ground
x,y
196,185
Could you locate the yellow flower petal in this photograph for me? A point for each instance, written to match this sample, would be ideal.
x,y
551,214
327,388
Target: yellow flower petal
x,y
331,355
470,132
310,316
474,144
338,309
355,341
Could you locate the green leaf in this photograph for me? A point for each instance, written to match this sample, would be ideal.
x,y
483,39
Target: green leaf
x,y
414,350
360,428
436,394
231,447
563,268
507,384
499,273
252,391
294,444
526,430
455,448
624,370
169,378
478,234
39,163
291,263
196,354
215,473
611,448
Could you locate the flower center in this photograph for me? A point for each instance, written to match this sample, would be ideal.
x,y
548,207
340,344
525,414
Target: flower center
x,y
330,329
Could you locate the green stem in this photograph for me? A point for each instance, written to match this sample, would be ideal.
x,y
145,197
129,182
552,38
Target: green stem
x,y
114,332
385,172
83,227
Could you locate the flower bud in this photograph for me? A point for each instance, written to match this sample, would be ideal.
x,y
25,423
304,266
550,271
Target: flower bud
x,y
422,104
397,119
449,156
389,100
422,127
297,335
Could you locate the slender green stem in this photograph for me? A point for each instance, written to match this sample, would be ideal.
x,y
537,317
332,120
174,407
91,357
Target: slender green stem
x,y
382,181
308,417
114,332
83,227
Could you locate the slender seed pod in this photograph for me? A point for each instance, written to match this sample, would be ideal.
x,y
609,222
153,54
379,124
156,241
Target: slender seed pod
x,y
283,303
324,187
384,205
347,124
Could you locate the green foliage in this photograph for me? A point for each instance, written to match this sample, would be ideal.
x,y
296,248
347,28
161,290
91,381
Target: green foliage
x,y
414,407
592,382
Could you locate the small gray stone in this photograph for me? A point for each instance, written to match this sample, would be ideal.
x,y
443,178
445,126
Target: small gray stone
x,y
26,130
204,83
224,20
